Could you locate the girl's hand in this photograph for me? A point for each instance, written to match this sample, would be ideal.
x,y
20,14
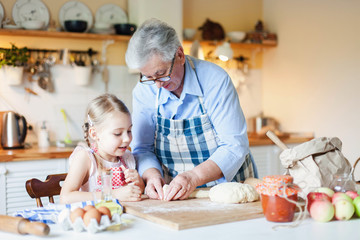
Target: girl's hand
x,y
128,193
132,176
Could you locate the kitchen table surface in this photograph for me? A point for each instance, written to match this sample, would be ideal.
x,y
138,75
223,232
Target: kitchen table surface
x,y
256,229
36,153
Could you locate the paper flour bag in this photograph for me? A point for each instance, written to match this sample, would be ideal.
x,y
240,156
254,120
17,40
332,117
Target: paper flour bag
x,y
315,163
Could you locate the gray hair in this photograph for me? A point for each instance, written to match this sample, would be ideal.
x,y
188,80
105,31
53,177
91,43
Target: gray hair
x,y
151,38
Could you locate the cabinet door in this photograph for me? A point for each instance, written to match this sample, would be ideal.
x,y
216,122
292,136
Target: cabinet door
x,y
267,160
13,176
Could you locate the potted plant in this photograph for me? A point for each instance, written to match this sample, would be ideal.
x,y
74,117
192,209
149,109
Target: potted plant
x,y
13,60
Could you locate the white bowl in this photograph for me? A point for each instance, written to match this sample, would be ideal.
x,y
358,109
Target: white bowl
x,y
102,25
10,26
236,36
33,24
189,33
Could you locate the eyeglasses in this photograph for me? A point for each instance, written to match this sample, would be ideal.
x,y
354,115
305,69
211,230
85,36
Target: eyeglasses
x,y
145,80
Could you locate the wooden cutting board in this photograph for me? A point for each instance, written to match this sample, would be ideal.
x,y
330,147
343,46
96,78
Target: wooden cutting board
x,y
191,213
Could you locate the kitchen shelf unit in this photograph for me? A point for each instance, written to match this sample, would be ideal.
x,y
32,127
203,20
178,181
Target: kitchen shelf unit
x,y
233,45
68,35
94,36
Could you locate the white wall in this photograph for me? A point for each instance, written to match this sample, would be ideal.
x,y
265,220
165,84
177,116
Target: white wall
x,y
311,81
69,96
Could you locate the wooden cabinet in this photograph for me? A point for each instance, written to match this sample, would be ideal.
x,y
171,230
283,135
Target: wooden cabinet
x,y
13,176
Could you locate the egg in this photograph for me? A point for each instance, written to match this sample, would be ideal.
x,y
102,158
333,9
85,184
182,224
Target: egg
x,y
78,212
92,213
105,211
88,207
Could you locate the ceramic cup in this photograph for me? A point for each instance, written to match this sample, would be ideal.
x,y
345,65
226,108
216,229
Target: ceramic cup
x,y
82,75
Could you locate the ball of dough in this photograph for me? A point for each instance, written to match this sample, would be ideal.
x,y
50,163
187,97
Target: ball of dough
x,y
253,181
233,192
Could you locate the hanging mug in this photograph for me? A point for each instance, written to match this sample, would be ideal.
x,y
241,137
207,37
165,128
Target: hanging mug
x,y
82,75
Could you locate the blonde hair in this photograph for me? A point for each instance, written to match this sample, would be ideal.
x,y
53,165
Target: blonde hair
x,y
96,113
99,109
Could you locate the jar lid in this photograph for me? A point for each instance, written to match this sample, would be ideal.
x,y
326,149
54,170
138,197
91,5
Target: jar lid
x,y
277,185
278,179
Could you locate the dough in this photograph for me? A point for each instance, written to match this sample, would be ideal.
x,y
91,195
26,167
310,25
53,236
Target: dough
x,y
253,181
197,193
233,192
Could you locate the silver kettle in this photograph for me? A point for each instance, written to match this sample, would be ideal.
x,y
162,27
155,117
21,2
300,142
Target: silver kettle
x,y
13,130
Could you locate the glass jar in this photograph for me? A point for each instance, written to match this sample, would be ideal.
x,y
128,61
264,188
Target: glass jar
x,y
106,193
343,182
278,197
106,186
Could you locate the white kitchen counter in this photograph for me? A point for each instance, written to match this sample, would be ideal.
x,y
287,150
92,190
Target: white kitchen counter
x,y
256,229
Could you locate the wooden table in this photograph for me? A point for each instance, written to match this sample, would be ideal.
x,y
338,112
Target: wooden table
x,y
35,153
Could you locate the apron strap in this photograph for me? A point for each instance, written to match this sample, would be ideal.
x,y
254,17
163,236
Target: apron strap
x,y
201,101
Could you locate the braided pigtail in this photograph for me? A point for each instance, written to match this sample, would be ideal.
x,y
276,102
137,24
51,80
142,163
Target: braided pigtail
x,y
85,128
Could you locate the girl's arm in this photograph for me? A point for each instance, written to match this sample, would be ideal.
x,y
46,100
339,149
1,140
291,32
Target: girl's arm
x,y
78,175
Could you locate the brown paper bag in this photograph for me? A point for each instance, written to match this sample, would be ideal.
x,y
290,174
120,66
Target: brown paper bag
x,y
315,163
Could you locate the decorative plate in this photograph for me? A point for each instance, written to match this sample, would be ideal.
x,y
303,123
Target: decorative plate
x,y
110,13
30,10
75,10
1,13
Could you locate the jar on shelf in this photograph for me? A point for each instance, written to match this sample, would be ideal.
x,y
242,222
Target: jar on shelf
x,y
278,197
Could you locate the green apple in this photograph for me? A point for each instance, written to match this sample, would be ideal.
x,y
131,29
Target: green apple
x,y
356,203
325,190
344,209
322,211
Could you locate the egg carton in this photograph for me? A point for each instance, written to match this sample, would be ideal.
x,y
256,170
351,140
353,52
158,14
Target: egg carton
x,y
93,227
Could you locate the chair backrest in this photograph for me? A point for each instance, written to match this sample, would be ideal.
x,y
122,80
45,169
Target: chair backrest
x,y
48,188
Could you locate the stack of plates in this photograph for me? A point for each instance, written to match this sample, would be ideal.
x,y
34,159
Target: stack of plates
x,y
1,14
30,10
106,16
75,10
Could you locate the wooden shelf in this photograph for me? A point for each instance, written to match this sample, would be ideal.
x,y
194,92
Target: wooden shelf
x,y
72,35
234,45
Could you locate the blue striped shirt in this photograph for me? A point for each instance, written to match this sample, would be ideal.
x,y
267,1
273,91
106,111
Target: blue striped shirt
x,y
221,103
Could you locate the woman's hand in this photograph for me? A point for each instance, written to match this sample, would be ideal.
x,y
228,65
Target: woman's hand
x,y
181,186
128,193
154,183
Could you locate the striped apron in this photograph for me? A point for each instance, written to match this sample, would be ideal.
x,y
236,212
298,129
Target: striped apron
x,y
181,145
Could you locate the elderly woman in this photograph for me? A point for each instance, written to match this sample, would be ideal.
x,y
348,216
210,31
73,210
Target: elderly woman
x,y
188,127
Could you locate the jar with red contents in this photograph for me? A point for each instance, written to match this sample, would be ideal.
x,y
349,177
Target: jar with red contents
x,y
278,197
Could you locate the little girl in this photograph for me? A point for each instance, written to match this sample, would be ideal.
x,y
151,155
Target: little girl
x,y
107,131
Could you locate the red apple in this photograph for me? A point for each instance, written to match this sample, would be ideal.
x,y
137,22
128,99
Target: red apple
x,y
340,195
344,209
322,211
352,194
313,196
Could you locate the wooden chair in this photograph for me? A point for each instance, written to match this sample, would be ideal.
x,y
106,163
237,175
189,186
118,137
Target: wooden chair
x,y
48,188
